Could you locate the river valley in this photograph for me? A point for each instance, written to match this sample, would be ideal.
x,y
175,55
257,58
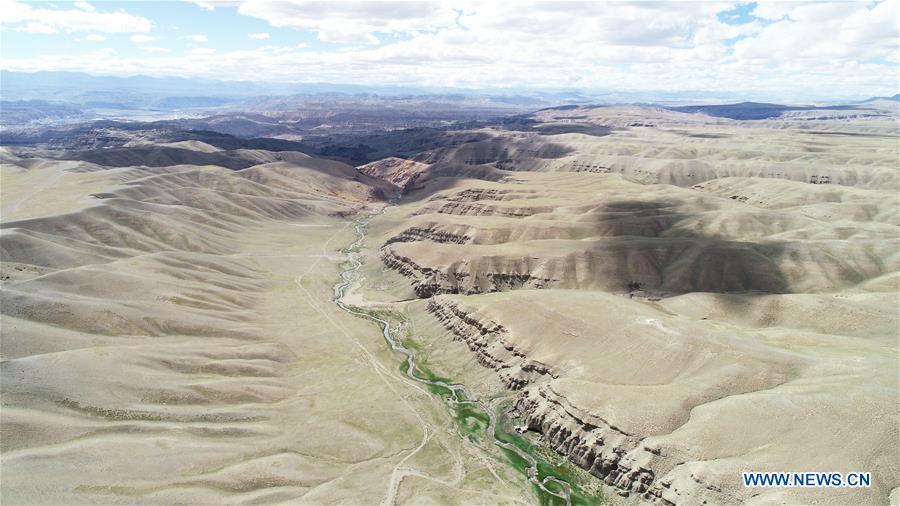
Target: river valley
x,y
469,411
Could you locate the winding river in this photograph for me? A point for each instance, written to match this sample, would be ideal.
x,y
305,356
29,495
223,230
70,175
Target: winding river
x,y
459,393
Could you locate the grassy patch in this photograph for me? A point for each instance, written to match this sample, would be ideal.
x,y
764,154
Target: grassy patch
x,y
516,461
470,419
549,463
473,422
382,314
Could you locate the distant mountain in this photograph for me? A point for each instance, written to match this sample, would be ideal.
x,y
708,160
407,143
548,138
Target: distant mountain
x,y
73,86
91,92
751,110
157,98
36,111
147,91
743,110
147,98
895,98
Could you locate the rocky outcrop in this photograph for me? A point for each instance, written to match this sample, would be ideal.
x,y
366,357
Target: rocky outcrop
x,y
427,282
604,450
466,208
626,462
432,233
478,194
398,171
487,340
475,194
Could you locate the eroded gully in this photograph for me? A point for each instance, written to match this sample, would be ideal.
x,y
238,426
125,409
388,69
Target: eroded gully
x,y
460,394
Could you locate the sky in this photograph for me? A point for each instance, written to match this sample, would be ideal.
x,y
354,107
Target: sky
x,y
785,50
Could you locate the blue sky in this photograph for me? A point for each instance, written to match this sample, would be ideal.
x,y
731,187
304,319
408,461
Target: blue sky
x,y
824,49
172,22
740,14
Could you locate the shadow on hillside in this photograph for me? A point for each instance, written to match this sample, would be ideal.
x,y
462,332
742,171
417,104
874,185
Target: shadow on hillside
x,y
649,245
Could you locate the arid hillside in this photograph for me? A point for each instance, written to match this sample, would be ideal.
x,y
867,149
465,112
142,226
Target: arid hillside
x,y
579,305
168,336
675,299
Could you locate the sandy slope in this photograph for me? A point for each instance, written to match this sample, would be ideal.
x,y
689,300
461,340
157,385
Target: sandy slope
x,y
168,337
682,300
671,299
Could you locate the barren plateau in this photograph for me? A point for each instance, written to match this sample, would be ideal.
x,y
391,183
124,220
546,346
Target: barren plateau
x,y
645,302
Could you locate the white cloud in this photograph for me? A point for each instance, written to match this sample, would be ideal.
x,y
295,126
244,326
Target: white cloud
x,y
197,38
153,49
352,22
84,18
801,49
211,5
825,34
93,37
37,27
261,35
141,39
773,10
85,6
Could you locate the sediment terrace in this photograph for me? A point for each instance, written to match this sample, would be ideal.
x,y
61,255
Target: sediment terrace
x,y
675,302
664,299
168,336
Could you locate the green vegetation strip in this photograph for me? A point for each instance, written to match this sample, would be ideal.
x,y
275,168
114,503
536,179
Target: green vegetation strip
x,y
549,463
473,423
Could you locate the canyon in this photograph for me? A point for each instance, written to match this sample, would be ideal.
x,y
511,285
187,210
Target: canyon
x,y
674,302
647,302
